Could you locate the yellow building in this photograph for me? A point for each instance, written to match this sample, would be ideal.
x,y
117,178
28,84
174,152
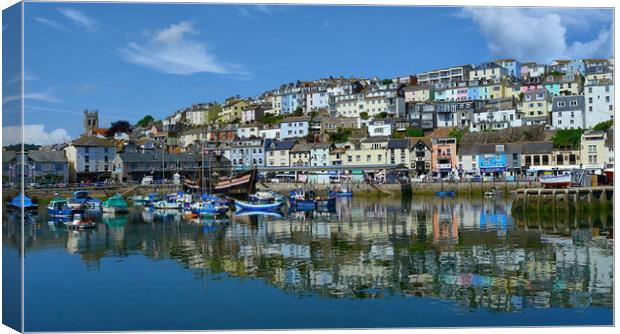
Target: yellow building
x,y
276,104
535,107
369,151
231,110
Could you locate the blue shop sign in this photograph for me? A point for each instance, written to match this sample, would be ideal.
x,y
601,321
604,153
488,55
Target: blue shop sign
x,y
492,162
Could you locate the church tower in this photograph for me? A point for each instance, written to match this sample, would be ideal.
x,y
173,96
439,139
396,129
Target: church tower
x,y
91,121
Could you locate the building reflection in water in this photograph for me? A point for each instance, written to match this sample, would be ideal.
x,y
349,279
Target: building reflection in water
x,y
471,252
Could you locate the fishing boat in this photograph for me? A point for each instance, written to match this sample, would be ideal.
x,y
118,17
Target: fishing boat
x,y
79,199
78,223
24,202
115,204
165,205
556,181
59,208
302,200
209,207
261,201
446,193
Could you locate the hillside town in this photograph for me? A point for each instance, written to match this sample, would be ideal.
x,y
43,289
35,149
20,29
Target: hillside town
x,y
503,120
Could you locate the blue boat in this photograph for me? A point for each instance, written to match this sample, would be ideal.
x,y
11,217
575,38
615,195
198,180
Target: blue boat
x,y
445,193
274,214
59,208
22,201
209,207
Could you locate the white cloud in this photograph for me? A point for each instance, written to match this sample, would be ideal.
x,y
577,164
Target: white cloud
x,y
79,18
170,51
34,134
530,34
45,97
50,23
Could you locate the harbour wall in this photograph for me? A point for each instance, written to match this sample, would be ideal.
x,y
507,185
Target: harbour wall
x,y
428,188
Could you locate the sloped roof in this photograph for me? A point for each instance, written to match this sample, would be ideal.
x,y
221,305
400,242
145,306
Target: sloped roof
x,y
86,140
398,143
47,156
281,145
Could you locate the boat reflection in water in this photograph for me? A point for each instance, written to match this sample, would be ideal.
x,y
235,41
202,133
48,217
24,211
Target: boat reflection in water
x,y
471,254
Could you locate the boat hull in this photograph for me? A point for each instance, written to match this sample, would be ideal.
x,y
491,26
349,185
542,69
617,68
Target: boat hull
x,y
563,181
248,206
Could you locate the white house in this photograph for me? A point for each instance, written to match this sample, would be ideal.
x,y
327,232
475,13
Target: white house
x,y
249,131
495,120
567,112
319,154
599,98
379,127
317,100
270,131
90,158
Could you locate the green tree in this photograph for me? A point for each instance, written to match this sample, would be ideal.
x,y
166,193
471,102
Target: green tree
x,y
414,132
604,126
118,126
386,81
567,138
382,114
145,121
364,115
340,136
298,112
456,133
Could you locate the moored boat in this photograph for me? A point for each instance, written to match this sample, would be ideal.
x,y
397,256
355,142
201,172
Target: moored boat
x,y
115,204
22,201
59,208
165,205
257,206
209,207
556,181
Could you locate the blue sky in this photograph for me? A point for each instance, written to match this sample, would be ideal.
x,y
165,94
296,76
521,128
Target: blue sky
x,y
128,60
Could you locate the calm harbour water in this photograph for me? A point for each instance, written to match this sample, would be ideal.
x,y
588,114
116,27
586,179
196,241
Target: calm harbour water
x,y
373,263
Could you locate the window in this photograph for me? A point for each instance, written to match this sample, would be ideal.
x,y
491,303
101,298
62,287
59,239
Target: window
x,y
105,158
87,168
536,160
86,158
573,103
591,148
607,98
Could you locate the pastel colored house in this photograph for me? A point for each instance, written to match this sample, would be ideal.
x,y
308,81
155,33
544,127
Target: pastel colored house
x,y
232,110
294,127
513,67
443,157
599,98
419,93
487,71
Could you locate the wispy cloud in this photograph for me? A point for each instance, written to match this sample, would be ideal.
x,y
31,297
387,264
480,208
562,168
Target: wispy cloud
x,y
170,50
50,23
251,11
540,35
45,97
79,18
34,134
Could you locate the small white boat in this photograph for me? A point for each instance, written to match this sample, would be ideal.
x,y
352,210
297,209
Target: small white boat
x,y
556,181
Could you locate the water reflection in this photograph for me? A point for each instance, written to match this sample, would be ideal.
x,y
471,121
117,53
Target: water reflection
x,y
471,252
